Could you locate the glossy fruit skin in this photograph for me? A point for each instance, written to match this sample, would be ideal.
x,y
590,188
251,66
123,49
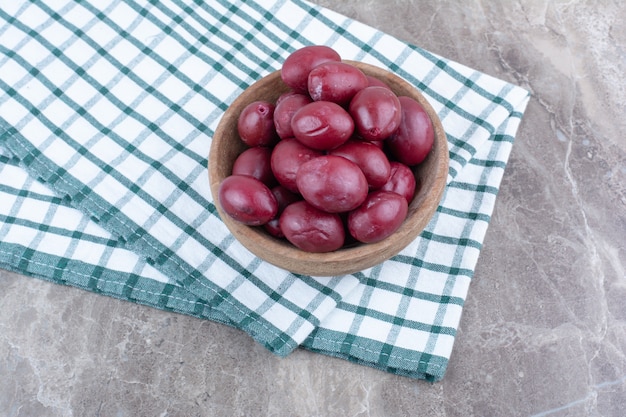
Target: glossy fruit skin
x,y
285,95
414,138
247,200
285,109
311,229
401,181
322,125
332,183
375,82
287,157
297,66
378,217
335,81
273,228
378,143
255,162
376,112
369,158
284,197
256,124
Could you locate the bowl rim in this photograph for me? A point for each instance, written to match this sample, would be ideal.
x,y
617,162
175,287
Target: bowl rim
x,y
346,260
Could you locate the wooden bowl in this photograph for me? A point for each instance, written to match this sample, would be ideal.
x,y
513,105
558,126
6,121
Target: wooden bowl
x,y
430,175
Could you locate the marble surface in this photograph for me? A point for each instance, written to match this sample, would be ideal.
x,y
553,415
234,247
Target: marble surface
x,y
544,327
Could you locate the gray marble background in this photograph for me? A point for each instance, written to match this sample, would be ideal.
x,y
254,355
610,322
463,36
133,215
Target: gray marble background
x,y
544,327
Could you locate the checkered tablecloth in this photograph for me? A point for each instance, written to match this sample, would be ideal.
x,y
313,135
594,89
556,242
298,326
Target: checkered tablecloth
x,y
107,110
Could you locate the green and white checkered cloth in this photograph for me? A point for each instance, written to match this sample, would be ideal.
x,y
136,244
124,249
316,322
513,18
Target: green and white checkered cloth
x,y
107,110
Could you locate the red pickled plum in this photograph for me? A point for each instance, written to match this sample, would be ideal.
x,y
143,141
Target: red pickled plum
x,y
401,181
285,109
297,66
376,113
414,138
287,157
322,125
332,183
247,200
284,197
335,81
285,95
256,124
378,217
369,157
311,229
255,162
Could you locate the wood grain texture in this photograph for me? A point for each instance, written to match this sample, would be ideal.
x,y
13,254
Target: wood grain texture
x,y
430,176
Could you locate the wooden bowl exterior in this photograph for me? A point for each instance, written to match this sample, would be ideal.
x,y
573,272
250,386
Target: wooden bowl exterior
x,y
430,175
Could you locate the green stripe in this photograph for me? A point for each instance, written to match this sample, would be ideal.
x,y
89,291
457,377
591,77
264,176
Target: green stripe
x,y
15,209
31,195
453,241
364,351
455,145
471,215
476,188
46,227
487,163
372,283
444,269
503,137
351,334
7,160
361,311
